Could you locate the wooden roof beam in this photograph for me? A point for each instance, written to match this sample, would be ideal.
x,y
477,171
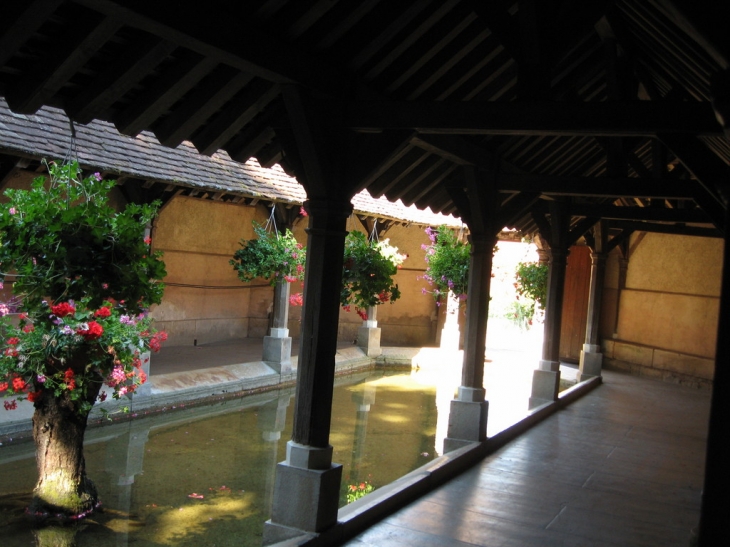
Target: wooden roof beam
x,y
604,187
537,118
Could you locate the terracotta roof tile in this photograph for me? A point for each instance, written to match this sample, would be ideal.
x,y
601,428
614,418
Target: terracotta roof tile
x,y
47,134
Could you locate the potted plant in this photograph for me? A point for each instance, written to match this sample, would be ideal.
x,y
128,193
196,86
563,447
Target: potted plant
x,y
272,255
367,273
85,275
448,263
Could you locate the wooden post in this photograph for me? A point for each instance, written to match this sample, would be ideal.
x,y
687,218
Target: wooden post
x,y
546,379
469,411
591,358
713,529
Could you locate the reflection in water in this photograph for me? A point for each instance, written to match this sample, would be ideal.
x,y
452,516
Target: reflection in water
x,y
204,476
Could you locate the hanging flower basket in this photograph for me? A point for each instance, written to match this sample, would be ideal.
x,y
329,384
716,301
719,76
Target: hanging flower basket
x,y
273,256
448,263
367,273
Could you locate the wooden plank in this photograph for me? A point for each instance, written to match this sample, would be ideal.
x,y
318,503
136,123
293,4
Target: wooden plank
x,y
28,95
575,303
170,86
614,118
118,78
228,40
222,84
237,114
19,21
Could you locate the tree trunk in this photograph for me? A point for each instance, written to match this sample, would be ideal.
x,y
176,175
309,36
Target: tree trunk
x,y
63,491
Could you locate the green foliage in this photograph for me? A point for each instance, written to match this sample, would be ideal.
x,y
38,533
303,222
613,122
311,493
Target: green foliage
x,y
65,242
367,272
357,491
84,276
532,281
531,286
271,256
448,262
521,313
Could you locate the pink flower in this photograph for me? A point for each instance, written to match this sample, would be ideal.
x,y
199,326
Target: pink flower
x,y
12,210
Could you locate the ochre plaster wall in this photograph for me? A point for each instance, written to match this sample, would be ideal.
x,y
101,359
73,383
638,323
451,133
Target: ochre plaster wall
x,y
204,299
664,321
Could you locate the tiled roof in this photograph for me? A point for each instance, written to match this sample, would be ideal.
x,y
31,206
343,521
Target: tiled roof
x,y
47,134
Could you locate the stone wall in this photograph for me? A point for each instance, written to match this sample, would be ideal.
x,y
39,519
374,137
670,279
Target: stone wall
x,y
663,323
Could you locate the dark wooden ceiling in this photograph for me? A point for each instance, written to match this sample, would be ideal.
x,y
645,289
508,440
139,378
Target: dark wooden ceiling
x,y
607,102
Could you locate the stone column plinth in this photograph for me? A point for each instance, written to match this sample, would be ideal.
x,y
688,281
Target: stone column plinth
x,y
591,362
467,419
306,493
368,336
146,388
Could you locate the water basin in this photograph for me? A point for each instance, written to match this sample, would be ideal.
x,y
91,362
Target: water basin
x,y
204,476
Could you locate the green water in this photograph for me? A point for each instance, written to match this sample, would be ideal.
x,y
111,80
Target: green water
x,y
204,476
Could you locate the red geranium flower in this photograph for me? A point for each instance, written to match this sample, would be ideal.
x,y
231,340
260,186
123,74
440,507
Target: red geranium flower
x,y
33,396
3,386
19,384
63,309
13,341
10,405
93,331
103,312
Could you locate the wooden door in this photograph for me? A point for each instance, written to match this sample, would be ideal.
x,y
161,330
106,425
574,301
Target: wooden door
x,y
575,303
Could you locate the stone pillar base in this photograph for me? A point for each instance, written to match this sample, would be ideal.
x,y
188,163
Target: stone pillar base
x,y
545,385
146,388
368,339
277,353
305,500
467,424
591,362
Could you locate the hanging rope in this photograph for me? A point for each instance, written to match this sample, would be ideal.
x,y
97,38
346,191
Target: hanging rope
x,y
72,154
374,233
272,221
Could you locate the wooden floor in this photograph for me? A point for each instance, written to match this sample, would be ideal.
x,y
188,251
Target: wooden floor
x,y
622,466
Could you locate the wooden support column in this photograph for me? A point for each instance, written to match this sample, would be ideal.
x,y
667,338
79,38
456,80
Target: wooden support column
x,y
306,492
591,358
468,413
713,529
546,379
